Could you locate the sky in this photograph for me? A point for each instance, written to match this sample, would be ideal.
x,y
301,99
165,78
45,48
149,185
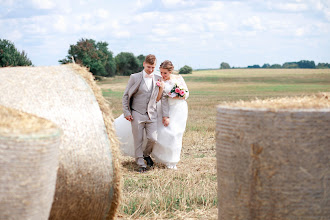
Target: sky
x,y
198,33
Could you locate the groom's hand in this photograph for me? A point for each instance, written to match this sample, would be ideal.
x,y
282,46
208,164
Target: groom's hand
x,y
166,121
129,118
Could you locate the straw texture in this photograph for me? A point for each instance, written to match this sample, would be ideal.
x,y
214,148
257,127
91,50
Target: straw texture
x,y
88,180
29,149
273,162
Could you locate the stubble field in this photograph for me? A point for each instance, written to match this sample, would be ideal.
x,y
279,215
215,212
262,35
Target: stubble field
x,y
191,191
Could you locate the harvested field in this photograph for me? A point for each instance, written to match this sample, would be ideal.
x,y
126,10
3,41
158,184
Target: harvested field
x,y
191,191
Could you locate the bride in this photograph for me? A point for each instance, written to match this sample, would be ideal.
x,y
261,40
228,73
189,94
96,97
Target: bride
x,y
167,150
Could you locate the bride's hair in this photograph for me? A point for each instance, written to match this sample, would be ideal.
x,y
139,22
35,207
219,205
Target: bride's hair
x,y
167,65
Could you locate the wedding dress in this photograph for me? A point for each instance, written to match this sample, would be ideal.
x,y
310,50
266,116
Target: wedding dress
x,y
167,150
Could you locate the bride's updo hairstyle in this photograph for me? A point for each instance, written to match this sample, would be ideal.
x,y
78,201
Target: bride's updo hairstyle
x,y
167,65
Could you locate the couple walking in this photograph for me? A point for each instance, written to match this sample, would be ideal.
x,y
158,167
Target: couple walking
x,y
155,107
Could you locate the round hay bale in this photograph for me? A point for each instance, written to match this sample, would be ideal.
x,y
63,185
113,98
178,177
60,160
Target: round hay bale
x,y
88,180
29,149
273,159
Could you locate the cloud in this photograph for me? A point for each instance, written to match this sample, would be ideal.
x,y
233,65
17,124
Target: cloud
x,y
178,3
253,23
180,29
43,4
142,3
14,35
102,13
294,7
61,23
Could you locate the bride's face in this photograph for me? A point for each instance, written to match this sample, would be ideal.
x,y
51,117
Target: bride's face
x,y
166,74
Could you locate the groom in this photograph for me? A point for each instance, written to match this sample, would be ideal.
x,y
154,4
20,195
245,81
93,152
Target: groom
x,y
140,108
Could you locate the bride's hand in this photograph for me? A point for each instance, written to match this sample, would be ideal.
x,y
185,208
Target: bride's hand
x,y
160,84
166,121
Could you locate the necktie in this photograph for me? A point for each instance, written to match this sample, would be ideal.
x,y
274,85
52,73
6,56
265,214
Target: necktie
x,y
149,75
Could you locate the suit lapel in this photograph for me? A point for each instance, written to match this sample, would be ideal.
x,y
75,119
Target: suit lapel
x,y
154,88
137,83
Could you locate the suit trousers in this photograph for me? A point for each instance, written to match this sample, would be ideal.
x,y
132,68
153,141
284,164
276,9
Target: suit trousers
x,y
141,123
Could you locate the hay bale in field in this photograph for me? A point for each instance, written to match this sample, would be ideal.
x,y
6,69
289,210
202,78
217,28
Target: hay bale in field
x,y
29,148
273,158
88,180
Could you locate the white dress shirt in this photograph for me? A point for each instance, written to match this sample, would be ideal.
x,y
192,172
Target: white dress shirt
x,y
148,81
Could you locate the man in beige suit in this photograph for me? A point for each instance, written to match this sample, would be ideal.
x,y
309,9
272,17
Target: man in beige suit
x,y
140,108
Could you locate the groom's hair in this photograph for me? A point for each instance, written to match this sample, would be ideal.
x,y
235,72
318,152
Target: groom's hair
x,y
150,59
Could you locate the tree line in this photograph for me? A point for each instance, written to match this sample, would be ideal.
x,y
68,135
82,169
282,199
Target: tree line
x,y
101,62
87,52
306,64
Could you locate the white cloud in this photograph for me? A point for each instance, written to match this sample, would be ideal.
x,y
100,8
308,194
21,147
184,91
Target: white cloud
x,y
299,32
61,24
292,6
160,31
217,26
171,3
14,35
217,6
122,34
8,3
171,27
178,3
102,13
185,28
254,23
142,3
43,4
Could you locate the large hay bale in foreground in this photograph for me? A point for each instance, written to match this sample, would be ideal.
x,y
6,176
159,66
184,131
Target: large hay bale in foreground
x,y
88,181
29,149
273,159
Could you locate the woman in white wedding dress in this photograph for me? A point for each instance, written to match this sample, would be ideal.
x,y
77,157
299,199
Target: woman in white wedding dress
x,y
167,150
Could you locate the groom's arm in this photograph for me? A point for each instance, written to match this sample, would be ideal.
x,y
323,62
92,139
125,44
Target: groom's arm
x,y
125,99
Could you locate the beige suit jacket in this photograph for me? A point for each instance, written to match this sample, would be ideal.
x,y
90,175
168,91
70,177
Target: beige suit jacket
x,y
132,87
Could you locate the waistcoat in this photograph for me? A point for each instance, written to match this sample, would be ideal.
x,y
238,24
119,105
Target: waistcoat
x,y
141,98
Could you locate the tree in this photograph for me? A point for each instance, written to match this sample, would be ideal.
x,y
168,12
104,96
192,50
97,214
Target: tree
x,y
10,56
141,59
266,65
126,63
224,65
306,64
95,56
185,70
276,66
323,66
254,66
290,65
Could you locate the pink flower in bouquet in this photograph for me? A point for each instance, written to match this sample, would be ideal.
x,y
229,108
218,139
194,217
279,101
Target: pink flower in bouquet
x,y
182,92
158,83
177,90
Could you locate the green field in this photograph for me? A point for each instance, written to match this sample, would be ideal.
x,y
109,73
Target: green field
x,y
191,191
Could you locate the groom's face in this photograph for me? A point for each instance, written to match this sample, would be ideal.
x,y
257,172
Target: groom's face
x,y
149,68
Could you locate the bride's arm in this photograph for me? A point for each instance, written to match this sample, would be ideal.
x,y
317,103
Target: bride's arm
x,y
161,88
183,83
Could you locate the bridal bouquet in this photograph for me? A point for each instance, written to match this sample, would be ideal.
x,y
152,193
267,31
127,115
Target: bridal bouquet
x,y
177,91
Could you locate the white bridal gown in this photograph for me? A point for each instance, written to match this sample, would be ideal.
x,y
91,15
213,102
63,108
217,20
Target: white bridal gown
x,y
167,150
